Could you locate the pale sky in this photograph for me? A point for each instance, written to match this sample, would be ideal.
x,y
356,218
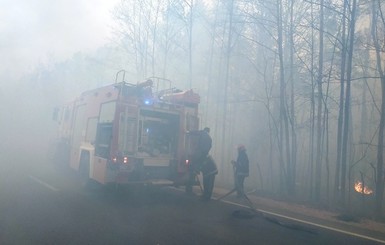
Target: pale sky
x,y
35,31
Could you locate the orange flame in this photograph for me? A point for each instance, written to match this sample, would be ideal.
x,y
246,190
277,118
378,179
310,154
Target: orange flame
x,y
362,189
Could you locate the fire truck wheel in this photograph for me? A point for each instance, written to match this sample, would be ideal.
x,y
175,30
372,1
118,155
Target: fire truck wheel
x,y
84,169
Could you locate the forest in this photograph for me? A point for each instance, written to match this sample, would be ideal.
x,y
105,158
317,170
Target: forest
x,y
301,83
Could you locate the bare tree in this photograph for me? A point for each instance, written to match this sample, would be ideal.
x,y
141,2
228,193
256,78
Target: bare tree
x,y
293,159
226,82
284,121
298,52
377,15
135,24
318,169
337,182
185,10
347,111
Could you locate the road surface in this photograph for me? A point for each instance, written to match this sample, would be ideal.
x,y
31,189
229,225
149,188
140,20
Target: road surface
x,y
43,205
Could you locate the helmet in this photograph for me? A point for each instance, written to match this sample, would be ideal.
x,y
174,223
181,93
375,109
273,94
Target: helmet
x,y
241,147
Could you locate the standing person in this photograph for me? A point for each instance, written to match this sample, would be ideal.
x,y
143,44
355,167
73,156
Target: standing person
x,y
241,170
205,143
199,154
207,164
209,170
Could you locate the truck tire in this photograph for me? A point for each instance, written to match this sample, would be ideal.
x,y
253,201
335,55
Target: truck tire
x,y
84,169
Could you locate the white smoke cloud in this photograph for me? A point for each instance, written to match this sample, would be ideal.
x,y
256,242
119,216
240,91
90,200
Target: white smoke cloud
x,y
37,31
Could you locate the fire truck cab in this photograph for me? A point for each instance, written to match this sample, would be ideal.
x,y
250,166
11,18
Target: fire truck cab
x,y
128,133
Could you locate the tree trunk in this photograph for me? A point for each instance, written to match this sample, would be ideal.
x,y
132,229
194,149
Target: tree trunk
x,y
312,111
284,125
292,106
337,180
380,148
318,170
227,74
190,26
347,103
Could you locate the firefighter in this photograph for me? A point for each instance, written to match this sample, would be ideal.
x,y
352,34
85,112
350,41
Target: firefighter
x,y
209,170
241,170
205,143
199,157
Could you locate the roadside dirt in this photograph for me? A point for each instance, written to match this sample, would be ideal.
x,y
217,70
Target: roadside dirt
x,y
258,201
321,214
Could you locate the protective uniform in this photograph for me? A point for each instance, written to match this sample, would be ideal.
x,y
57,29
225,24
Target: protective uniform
x,y
241,167
209,170
201,160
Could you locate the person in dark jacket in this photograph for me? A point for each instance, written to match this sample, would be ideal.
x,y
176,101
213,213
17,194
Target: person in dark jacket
x,y
199,159
204,143
241,170
209,170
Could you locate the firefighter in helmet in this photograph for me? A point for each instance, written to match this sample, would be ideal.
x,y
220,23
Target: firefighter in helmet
x,y
241,170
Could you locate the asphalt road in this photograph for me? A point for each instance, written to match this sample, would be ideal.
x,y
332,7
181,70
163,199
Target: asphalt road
x,y
41,205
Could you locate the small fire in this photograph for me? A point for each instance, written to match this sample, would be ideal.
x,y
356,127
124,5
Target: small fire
x,y
362,189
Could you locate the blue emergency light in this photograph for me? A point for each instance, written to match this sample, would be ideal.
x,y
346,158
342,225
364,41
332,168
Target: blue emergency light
x,y
147,102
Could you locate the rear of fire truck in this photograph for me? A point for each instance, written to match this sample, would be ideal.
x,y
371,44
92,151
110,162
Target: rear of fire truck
x,y
130,133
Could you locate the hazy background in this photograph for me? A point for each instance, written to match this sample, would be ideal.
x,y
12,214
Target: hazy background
x,y
34,36
42,31
250,80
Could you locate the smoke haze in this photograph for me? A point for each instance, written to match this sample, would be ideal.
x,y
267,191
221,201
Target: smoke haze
x,y
37,33
40,31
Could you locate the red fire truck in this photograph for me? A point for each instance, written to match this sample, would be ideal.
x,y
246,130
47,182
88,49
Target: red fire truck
x,y
129,133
